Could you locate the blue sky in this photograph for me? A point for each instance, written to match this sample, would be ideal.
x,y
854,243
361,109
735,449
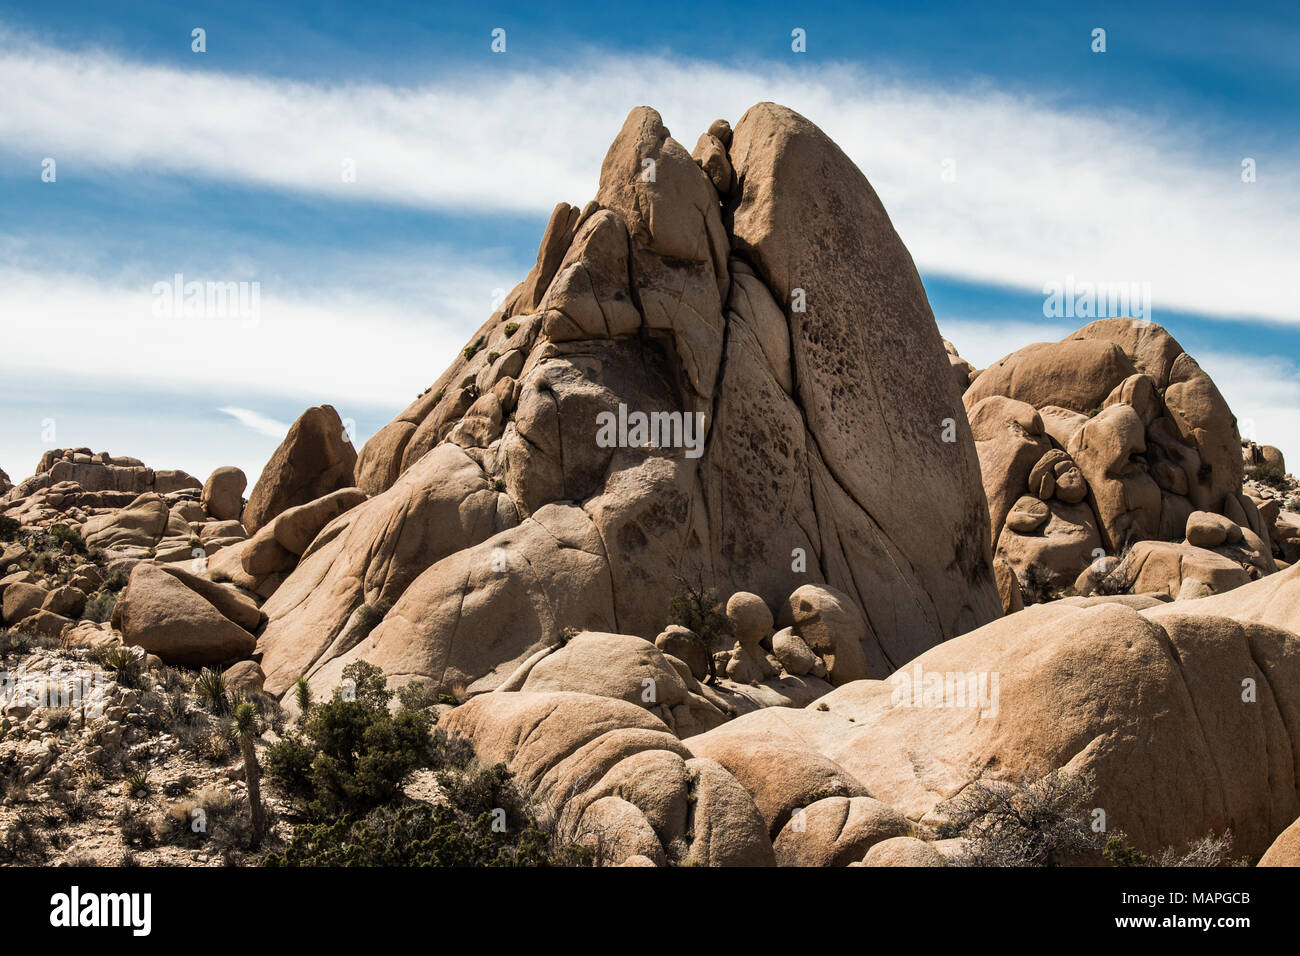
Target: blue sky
x,y
224,166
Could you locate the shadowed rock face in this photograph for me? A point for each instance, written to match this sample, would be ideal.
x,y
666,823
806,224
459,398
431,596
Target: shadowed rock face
x,y
783,315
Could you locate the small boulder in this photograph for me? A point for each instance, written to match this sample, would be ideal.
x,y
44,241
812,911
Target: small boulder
x,y
20,600
832,626
223,493
68,601
903,851
683,644
1208,530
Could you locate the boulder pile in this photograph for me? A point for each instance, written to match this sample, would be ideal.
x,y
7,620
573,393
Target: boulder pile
x,y
1112,449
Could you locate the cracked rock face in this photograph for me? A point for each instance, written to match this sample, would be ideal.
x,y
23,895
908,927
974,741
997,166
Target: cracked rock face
x,y
775,335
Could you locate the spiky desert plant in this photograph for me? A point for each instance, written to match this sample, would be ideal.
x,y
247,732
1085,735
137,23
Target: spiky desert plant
x,y
302,694
211,688
247,730
125,662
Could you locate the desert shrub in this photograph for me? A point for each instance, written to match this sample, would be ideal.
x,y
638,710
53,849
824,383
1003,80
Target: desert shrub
x,y
1021,821
213,818
8,528
136,828
352,755
62,535
1209,850
117,579
418,696
137,781
125,663
484,821
699,610
21,841
511,328
369,615
471,349
99,607
302,696
1267,473
211,689
77,805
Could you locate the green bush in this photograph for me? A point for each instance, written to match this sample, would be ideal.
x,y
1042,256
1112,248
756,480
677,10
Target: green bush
x,y
211,689
484,822
352,755
62,535
116,580
126,663
1267,473
369,616
99,608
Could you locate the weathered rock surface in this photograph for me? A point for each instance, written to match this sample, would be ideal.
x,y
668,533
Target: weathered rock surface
x,y
315,458
1145,701
223,493
185,619
1124,439
573,751
739,326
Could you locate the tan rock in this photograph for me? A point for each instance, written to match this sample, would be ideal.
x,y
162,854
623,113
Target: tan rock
x,y
315,458
1285,850
21,599
223,493
903,851
139,525
832,626
1208,530
837,831
580,750
161,614
297,527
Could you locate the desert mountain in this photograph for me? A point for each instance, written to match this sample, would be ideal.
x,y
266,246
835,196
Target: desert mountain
x,y
767,302
712,541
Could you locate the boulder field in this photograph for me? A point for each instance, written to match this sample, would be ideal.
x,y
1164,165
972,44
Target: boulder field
x,y
730,557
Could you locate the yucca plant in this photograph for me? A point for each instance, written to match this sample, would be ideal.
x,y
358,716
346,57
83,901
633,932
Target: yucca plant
x,y
247,730
211,688
127,665
137,781
302,694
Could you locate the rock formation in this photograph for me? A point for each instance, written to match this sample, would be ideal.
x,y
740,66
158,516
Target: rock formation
x,y
715,544
1110,437
776,338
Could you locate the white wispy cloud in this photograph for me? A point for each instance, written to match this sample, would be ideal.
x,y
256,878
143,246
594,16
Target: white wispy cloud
x,y
375,345
1040,192
982,342
256,421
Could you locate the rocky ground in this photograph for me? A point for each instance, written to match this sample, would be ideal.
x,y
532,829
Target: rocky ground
x,y
834,598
